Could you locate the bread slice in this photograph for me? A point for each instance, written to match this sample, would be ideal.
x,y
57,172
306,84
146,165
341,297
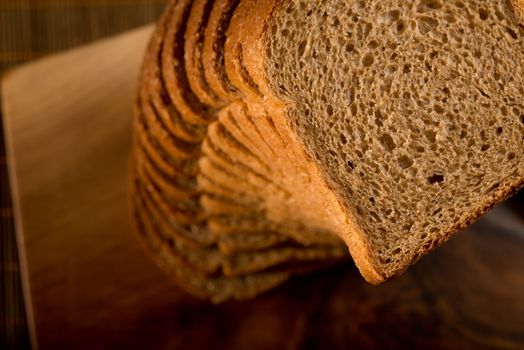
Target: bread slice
x,y
413,111
386,125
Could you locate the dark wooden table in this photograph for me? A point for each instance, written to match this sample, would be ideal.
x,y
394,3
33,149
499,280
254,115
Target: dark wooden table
x,y
468,294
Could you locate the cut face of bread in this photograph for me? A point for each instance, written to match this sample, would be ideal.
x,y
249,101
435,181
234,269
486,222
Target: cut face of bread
x,y
269,135
414,111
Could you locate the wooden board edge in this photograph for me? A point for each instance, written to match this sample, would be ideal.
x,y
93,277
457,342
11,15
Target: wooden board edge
x,y
17,213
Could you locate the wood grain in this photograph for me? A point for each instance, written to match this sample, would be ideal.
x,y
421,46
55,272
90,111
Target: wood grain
x,y
68,127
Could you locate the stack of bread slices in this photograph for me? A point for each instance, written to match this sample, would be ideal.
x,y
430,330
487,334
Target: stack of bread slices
x,y
202,166
259,153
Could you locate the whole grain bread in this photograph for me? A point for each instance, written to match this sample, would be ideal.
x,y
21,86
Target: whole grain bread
x,y
269,134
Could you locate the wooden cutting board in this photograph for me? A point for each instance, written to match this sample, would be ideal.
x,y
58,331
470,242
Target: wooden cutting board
x,y
90,286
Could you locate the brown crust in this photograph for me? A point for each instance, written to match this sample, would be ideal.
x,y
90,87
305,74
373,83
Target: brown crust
x,y
173,68
213,49
194,38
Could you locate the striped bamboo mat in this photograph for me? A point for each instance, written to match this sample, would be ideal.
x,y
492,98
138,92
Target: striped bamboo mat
x,y
30,29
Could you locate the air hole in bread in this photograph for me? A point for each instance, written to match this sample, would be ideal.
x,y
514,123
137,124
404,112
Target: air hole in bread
x,y
391,16
512,33
435,178
483,14
426,24
401,27
368,60
385,260
374,215
428,5
419,149
431,135
387,142
329,110
438,108
301,48
373,44
378,119
405,162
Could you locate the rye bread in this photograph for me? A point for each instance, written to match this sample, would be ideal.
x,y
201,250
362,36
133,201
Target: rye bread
x,y
422,130
306,124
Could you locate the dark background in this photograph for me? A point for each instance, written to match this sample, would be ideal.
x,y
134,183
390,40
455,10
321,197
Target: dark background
x,y
30,29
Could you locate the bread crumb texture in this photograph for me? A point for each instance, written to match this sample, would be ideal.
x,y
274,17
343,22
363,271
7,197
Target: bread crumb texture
x,y
414,109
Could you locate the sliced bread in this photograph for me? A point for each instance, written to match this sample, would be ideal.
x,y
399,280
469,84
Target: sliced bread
x,y
270,132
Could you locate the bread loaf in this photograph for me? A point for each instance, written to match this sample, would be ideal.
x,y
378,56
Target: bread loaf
x,y
271,136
